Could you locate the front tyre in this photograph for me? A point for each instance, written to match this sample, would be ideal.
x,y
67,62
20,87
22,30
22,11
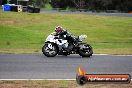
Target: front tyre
x,y
50,50
85,50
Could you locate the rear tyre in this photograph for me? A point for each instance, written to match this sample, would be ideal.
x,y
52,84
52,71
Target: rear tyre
x,y
50,50
85,50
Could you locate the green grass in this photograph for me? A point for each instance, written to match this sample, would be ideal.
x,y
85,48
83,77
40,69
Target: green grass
x,y
27,31
56,84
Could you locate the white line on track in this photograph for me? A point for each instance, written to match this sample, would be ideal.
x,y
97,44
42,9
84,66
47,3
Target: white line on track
x,y
39,79
36,79
110,55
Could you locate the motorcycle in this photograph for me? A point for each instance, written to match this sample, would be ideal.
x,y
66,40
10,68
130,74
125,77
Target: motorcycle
x,y
55,45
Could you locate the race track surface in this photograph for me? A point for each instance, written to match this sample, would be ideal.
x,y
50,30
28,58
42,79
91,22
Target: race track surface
x,y
88,13
37,66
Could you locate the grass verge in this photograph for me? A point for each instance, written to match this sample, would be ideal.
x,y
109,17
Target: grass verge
x,y
56,84
26,32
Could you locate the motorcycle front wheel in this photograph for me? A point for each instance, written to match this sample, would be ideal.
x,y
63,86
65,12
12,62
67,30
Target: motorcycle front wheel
x,y
50,50
85,50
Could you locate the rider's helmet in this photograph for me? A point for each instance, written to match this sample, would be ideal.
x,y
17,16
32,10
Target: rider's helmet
x,y
59,29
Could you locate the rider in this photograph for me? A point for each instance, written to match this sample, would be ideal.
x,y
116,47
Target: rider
x,y
62,33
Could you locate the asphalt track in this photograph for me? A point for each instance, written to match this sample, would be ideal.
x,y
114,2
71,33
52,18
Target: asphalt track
x,y
37,66
87,13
